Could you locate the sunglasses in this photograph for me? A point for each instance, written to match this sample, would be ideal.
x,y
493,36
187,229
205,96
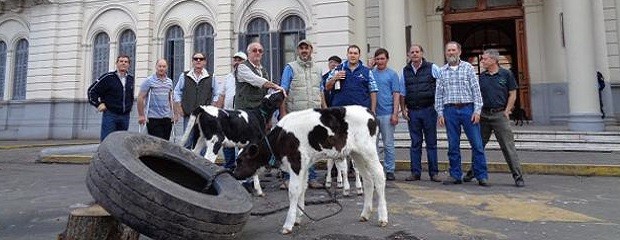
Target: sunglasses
x,y
198,59
257,50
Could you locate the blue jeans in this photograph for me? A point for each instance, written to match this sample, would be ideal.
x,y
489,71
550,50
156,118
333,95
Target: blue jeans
x,y
193,136
454,118
230,156
423,127
311,174
111,122
387,136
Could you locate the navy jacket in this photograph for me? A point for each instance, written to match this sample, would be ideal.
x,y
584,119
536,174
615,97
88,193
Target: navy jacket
x,y
108,89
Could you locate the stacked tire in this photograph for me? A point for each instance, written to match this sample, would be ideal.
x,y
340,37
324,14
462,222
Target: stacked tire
x,y
162,190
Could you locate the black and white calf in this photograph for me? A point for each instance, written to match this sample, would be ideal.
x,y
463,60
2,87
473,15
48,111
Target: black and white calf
x,y
304,137
231,128
342,179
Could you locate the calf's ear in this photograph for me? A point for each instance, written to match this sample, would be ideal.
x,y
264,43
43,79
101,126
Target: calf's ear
x,y
252,151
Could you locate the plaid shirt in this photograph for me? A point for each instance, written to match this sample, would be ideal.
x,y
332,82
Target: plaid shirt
x,y
458,86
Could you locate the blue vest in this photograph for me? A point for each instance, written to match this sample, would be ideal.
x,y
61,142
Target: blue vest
x,y
354,88
420,86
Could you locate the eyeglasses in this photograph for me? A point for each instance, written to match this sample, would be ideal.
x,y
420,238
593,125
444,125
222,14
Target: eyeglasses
x,y
198,59
257,50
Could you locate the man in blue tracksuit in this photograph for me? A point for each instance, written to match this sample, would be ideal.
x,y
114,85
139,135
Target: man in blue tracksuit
x,y
112,94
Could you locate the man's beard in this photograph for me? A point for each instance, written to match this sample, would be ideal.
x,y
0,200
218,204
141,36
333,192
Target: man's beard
x,y
452,59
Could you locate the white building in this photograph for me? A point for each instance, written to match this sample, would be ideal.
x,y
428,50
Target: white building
x,y
51,50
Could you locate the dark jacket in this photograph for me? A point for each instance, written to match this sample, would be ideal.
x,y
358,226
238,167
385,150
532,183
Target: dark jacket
x,y
419,86
108,89
246,95
196,94
354,88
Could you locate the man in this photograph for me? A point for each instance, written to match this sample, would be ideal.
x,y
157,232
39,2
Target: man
x,y
112,94
458,102
252,80
301,79
352,83
332,63
419,79
158,89
388,99
499,93
225,100
194,88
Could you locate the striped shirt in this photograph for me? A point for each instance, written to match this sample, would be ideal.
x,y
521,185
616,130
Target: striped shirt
x,y
458,85
159,96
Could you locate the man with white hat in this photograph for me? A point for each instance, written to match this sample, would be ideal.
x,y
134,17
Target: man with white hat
x,y
226,96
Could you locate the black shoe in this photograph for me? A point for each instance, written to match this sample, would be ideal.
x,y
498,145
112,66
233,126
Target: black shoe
x,y
519,182
390,176
468,176
413,178
483,182
450,180
435,178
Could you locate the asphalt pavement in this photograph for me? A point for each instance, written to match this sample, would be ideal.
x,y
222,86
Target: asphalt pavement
x,y
35,200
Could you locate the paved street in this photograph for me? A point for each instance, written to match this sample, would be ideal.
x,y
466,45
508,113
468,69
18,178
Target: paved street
x,y
35,200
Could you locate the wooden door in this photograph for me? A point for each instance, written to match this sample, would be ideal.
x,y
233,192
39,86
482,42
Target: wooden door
x,y
523,76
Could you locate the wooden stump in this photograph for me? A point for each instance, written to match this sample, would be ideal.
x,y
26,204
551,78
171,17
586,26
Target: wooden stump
x,y
95,223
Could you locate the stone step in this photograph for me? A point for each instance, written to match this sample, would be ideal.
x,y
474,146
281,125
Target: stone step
x,y
536,141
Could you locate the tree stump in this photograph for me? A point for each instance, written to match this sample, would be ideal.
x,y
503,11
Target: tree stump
x,y
95,223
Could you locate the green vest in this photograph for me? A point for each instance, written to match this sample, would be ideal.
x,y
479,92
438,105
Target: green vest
x,y
246,95
196,94
304,89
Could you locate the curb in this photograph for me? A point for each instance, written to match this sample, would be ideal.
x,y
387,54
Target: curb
x,y
403,165
19,146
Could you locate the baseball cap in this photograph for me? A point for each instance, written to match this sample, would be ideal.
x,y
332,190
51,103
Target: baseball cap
x,y
305,41
241,55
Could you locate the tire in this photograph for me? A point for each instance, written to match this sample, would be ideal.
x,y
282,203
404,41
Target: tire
x,y
157,188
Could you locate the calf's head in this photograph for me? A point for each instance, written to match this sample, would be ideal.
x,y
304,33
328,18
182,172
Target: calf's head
x,y
271,102
250,159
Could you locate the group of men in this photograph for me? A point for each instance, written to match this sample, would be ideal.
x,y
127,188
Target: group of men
x,y
425,94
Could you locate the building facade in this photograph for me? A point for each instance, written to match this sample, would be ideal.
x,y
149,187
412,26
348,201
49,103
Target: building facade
x,y
52,50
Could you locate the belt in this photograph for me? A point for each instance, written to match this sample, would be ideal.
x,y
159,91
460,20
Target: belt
x,y
494,110
458,105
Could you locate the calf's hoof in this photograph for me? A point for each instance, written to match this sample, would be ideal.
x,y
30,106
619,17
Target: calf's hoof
x,y
328,184
345,193
286,231
360,192
261,194
339,185
383,223
363,219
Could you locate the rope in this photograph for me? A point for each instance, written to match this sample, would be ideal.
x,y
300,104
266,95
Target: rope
x,y
332,199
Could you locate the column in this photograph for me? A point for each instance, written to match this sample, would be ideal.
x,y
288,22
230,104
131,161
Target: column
x,y
224,40
417,21
535,40
360,38
145,48
434,52
582,91
602,63
393,29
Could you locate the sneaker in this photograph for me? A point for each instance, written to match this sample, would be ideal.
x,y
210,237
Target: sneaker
x,y
450,180
435,178
413,178
314,184
390,176
519,182
284,185
483,182
468,176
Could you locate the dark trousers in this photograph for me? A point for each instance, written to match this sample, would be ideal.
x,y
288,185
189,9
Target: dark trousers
x,y
111,122
159,127
498,123
423,127
230,156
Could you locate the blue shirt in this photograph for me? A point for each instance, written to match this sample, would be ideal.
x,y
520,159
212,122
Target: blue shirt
x,y
388,84
158,94
287,77
459,85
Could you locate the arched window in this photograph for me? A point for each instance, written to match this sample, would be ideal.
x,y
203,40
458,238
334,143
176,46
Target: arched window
x,y
292,30
101,55
21,70
127,46
258,31
175,52
2,68
203,42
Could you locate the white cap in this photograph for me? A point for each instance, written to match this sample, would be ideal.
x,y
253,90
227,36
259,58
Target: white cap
x,y
241,55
